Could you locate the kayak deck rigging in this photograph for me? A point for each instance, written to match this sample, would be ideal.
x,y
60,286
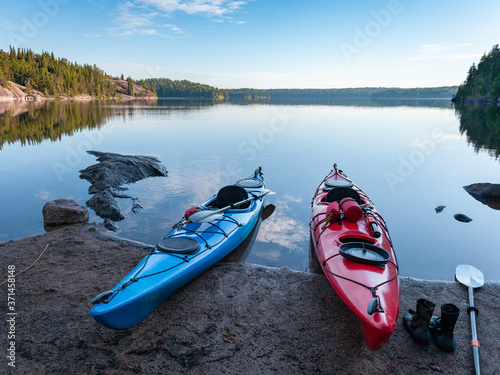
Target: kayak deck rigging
x,y
186,258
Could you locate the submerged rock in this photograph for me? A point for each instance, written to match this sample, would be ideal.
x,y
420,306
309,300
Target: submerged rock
x,y
439,209
110,225
486,193
64,211
108,176
105,206
463,218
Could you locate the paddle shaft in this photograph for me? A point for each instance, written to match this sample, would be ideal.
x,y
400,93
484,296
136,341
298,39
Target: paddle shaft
x,y
196,217
474,342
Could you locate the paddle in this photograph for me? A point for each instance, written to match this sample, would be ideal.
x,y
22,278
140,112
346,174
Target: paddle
x,y
267,211
472,278
207,215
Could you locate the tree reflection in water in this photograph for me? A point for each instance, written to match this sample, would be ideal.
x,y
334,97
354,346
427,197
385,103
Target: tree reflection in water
x,y
35,122
481,125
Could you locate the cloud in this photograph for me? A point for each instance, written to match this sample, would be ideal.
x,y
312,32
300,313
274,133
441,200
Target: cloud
x,y
133,20
448,57
133,16
43,195
131,32
142,17
173,28
282,229
435,48
7,25
203,7
219,79
443,51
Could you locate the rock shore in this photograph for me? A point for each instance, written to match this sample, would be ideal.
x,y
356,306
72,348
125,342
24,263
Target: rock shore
x,y
234,319
486,193
18,93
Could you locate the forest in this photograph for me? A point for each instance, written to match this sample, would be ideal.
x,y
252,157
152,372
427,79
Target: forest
x,y
58,77
483,80
248,94
445,92
167,88
53,76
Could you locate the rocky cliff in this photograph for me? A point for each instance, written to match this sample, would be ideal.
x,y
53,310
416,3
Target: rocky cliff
x,y
122,90
16,92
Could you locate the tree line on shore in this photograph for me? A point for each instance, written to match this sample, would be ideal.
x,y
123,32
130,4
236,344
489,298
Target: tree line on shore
x,y
52,76
165,87
58,77
483,80
444,92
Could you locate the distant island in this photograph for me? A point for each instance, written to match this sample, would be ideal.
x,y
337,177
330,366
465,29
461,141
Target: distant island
x,y
444,92
29,76
482,84
167,88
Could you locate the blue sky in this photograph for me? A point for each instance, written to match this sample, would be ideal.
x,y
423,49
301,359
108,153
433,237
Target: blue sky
x,y
263,43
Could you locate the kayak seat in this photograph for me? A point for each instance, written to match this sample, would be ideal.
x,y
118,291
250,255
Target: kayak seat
x,y
231,194
339,193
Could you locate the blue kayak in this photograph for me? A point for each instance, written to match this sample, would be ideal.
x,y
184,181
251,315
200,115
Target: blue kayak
x,y
200,239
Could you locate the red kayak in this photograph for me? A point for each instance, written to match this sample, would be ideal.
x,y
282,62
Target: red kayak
x,y
355,251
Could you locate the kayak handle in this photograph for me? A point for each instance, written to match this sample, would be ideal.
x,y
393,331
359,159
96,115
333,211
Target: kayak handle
x,y
375,229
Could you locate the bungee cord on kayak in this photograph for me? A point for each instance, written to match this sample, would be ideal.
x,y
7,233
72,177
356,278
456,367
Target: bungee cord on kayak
x,y
184,259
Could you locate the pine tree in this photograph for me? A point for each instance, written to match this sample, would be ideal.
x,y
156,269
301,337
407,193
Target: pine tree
x,y
29,87
55,76
130,90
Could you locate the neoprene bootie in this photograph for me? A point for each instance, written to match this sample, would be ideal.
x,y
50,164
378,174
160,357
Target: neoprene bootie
x,y
417,322
442,328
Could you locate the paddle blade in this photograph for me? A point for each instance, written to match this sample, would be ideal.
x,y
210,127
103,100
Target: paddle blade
x,y
267,211
469,276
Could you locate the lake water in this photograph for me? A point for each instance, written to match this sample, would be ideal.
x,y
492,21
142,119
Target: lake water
x,y
409,157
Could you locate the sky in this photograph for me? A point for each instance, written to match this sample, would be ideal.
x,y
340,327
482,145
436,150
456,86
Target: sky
x,y
263,43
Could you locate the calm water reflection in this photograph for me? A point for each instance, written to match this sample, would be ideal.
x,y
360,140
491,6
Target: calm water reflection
x,y
481,125
408,156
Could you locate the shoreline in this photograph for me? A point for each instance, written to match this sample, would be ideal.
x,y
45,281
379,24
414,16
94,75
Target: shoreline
x,y
16,93
476,101
234,318
19,106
